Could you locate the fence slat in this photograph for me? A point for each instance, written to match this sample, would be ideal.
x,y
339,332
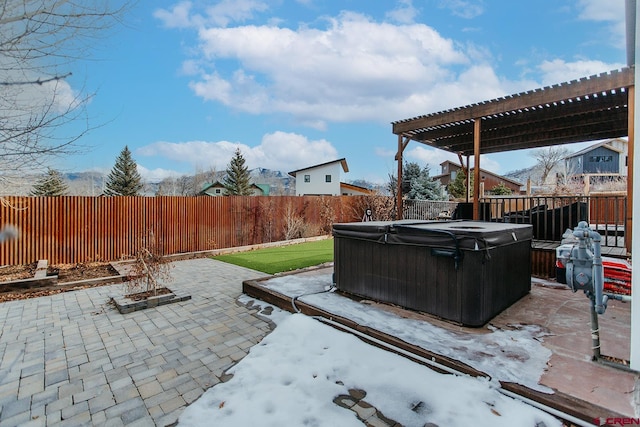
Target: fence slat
x,y
72,229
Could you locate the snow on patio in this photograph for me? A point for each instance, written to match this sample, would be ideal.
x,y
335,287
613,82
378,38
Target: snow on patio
x,y
514,355
293,375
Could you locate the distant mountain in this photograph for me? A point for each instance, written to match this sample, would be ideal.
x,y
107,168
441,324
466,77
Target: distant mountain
x,y
522,175
93,183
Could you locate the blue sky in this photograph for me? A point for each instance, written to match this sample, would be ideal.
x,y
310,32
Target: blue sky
x,y
294,83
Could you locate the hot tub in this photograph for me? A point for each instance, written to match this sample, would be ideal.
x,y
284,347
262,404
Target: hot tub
x,y
463,271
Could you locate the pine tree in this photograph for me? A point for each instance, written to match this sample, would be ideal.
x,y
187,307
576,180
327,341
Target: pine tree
x,y
420,185
458,187
51,184
501,190
236,182
124,179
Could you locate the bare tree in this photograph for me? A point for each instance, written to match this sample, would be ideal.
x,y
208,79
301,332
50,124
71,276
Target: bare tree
x,y
39,40
547,159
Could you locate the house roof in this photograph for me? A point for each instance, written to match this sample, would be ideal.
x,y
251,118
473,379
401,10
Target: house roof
x,y
481,170
343,161
605,144
216,184
582,110
264,188
356,187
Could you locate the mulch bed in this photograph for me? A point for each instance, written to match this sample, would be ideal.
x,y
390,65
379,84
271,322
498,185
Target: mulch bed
x,y
66,273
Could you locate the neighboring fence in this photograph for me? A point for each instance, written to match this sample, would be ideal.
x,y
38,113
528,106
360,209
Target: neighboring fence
x,y
428,209
83,229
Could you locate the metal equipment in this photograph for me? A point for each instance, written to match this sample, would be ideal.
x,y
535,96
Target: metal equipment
x,y
585,272
584,266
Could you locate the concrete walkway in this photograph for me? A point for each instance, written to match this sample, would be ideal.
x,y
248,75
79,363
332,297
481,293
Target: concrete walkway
x,y
72,359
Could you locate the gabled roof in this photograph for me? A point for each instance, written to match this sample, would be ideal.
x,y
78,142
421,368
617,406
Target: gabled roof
x,y
356,187
481,170
216,184
264,188
604,144
342,161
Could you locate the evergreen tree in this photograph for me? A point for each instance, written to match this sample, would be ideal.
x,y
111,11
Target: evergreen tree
x,y
51,184
124,179
458,187
501,190
236,182
420,185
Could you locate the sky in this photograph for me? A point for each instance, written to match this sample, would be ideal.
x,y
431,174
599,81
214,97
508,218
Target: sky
x,y
293,375
294,83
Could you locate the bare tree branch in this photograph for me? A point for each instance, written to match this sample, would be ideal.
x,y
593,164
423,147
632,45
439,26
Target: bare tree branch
x,y
39,41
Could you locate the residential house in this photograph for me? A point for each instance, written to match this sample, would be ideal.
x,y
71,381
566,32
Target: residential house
x,y
450,170
320,180
605,157
217,189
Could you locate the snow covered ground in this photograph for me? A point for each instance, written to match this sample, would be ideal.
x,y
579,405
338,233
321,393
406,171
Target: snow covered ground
x,y
515,355
293,375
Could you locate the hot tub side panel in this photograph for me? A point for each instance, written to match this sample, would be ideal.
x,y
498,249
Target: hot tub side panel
x,y
409,276
361,268
385,267
493,284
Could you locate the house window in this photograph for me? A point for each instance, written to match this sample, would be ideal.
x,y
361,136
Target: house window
x,y
217,191
307,178
600,159
327,178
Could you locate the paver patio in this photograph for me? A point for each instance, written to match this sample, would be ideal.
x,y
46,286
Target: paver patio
x,y
72,359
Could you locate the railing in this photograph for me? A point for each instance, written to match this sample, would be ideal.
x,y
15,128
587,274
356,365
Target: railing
x,y
551,216
428,209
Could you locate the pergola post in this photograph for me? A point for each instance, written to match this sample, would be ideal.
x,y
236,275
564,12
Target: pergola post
x,y
402,144
467,177
628,232
476,169
634,158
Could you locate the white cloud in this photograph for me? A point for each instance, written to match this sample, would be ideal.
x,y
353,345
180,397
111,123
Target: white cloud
x,y
222,13
463,8
155,175
423,154
278,151
179,16
227,11
404,13
351,68
558,71
612,11
354,69
601,10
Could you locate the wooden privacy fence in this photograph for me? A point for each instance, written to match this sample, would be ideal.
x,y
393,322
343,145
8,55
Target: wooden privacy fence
x,y
69,229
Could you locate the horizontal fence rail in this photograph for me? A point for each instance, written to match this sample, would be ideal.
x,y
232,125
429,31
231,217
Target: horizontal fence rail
x,y
69,229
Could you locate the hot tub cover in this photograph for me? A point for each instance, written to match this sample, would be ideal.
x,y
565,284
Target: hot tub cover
x,y
462,235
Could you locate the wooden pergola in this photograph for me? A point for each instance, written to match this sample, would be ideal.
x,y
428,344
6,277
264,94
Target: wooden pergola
x,y
592,108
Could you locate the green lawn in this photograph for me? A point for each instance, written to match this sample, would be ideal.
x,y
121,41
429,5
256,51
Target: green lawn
x,y
285,258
